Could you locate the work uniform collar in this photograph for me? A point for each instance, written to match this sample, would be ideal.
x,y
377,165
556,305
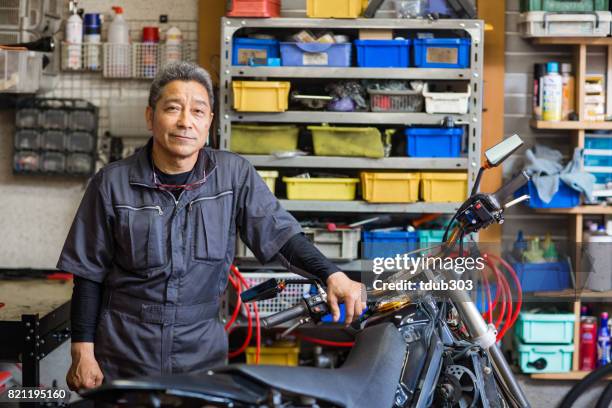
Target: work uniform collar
x,y
141,171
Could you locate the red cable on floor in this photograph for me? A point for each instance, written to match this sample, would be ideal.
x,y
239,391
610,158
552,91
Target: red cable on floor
x,y
326,342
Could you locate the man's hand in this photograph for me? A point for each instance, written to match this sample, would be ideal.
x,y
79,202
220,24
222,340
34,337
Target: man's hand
x,y
342,289
84,371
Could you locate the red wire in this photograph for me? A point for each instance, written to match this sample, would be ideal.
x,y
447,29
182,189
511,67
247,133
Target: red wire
x,y
327,342
488,292
500,288
236,272
238,303
519,296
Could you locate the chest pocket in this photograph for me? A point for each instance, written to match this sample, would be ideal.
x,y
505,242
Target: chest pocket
x,y
141,246
210,218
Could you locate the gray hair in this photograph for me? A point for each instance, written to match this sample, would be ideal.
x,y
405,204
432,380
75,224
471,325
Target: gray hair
x,y
180,71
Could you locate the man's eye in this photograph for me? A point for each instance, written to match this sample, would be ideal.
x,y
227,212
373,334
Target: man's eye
x,y
172,109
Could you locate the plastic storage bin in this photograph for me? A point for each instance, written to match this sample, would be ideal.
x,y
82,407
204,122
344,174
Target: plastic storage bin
x,y
27,118
390,187
80,142
269,177
446,102
564,5
255,8
395,101
444,187
433,142
430,237
544,24
598,161
282,355
26,161
442,52
388,244
256,50
543,276
315,54
20,71
551,358
342,244
341,189
27,139
79,163
546,328
565,197
53,140
53,162
258,139
383,53
347,141
53,119
261,96
335,8
598,142
82,120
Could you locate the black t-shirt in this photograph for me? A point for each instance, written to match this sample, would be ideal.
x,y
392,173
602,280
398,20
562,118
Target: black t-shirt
x,y
173,179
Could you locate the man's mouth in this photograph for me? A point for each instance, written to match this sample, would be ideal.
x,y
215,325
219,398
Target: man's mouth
x,y
181,137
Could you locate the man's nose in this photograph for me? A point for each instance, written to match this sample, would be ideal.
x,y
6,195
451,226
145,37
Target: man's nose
x,y
185,119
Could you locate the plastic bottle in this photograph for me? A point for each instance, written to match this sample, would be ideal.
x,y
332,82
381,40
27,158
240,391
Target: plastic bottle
x,y
568,91
174,45
603,341
119,45
539,70
550,250
588,340
74,37
520,245
92,38
552,93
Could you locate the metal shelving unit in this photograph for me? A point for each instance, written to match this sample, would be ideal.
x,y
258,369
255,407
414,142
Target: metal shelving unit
x,y
472,120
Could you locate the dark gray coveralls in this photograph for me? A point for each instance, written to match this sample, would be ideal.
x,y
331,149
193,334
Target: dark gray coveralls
x,y
164,262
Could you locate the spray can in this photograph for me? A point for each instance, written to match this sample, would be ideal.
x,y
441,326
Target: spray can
x,y
552,93
603,341
174,45
74,38
588,341
539,70
150,40
92,38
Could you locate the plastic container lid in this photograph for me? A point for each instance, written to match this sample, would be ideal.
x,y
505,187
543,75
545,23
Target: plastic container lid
x,y
566,68
91,20
552,67
150,34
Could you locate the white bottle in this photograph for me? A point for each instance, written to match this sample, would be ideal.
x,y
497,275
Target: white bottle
x,y
118,56
74,38
174,45
552,93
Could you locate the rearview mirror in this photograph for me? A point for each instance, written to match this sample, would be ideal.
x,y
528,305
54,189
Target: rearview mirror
x,y
501,151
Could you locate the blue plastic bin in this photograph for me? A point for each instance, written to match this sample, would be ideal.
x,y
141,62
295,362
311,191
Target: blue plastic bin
x,y
383,53
594,142
545,328
315,54
259,50
599,161
602,178
442,52
544,276
388,244
433,142
566,197
552,358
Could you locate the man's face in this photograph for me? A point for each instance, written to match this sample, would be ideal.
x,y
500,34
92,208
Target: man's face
x,y
181,118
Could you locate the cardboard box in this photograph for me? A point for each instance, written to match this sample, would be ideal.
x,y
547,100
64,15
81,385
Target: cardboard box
x,y
368,34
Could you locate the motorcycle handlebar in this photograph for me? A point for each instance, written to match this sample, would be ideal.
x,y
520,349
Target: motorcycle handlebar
x,y
285,315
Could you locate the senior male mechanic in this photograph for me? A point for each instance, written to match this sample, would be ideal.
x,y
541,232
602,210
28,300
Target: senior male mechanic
x,y
153,239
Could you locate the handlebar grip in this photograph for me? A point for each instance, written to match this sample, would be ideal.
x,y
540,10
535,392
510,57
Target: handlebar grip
x,y
284,316
511,187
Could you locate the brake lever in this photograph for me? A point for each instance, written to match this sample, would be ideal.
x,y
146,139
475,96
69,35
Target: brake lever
x,y
294,326
520,199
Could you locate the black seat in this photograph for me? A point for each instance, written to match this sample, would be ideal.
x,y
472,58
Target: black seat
x,y
367,379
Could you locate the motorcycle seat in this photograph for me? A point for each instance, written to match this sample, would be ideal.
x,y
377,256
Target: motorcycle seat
x,y
368,378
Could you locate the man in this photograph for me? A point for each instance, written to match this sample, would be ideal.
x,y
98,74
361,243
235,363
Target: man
x,y
153,239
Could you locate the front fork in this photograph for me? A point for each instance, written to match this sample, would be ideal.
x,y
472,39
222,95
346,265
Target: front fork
x,y
484,335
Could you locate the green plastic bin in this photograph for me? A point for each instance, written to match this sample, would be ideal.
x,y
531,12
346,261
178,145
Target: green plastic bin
x,y
546,328
567,6
256,139
545,358
347,141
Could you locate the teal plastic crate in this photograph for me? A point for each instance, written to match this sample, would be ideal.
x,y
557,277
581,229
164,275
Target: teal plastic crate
x,y
568,6
430,237
540,358
545,328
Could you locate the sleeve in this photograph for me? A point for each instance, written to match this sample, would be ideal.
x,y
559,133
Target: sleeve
x,y
299,255
264,225
88,250
85,306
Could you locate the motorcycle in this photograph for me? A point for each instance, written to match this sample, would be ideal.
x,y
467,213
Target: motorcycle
x,y
414,348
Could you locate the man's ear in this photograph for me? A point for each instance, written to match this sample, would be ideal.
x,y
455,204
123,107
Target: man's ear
x,y
149,117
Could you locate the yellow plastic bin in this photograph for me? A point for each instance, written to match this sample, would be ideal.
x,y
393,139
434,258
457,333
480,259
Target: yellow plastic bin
x,y
256,139
444,187
390,187
335,8
347,141
269,177
333,189
261,96
281,353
